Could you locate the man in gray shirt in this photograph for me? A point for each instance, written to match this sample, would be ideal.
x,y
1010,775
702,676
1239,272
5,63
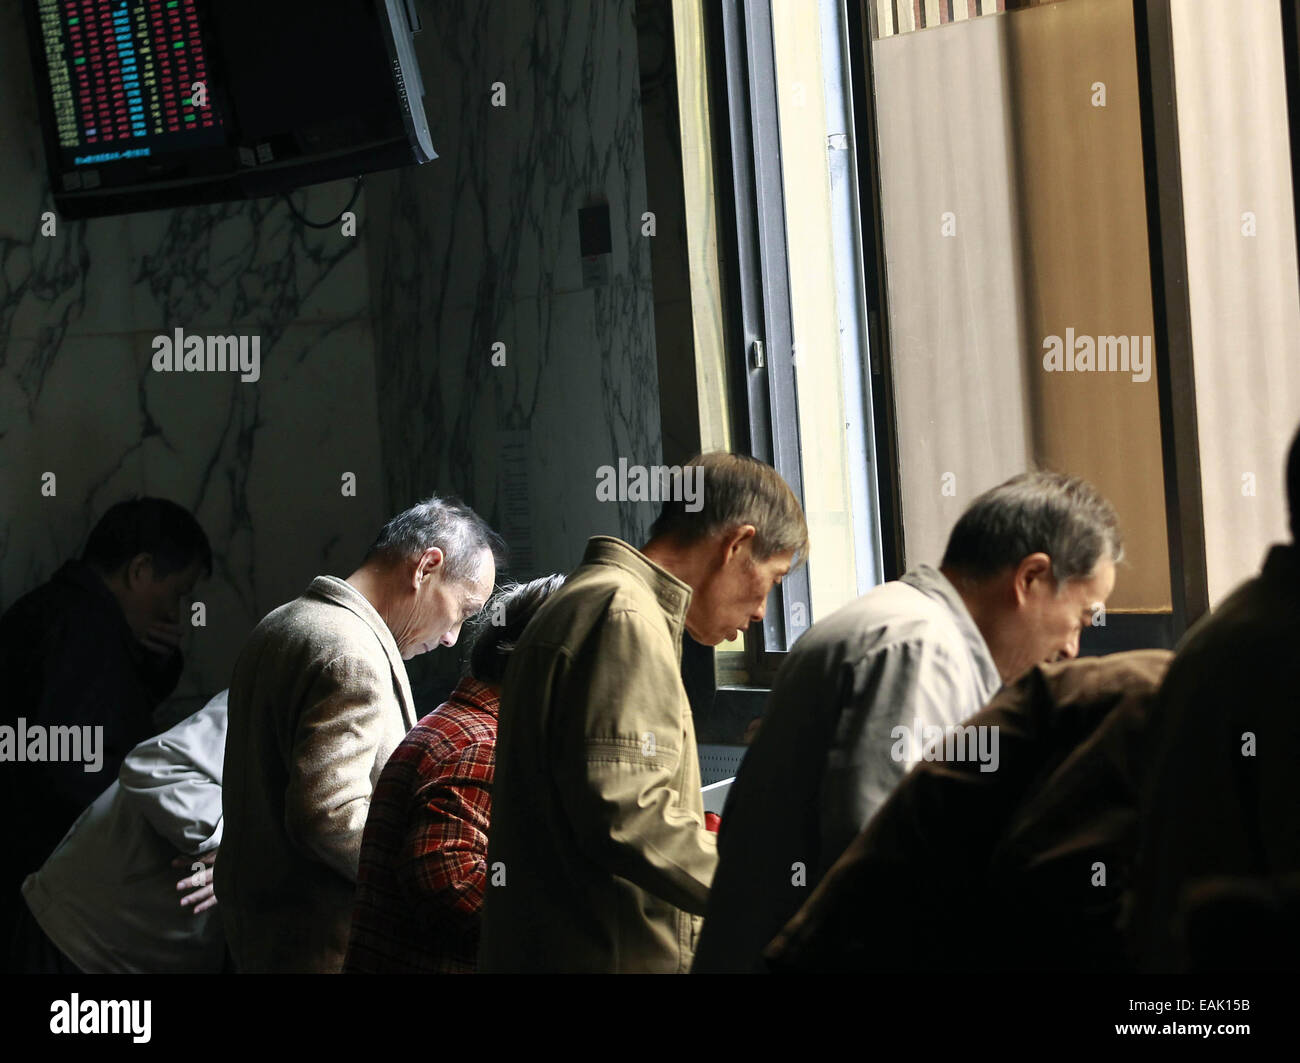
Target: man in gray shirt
x,y
107,898
865,691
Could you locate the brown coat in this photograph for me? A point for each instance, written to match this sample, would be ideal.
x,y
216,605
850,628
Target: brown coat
x,y
318,701
1019,868
598,857
1223,795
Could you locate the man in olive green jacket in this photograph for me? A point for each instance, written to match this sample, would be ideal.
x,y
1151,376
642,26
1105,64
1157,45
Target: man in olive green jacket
x,y
598,856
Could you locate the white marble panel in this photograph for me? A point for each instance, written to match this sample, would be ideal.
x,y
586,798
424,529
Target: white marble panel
x,y
259,464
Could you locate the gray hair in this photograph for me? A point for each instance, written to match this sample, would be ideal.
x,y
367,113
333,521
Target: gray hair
x,y
1064,517
447,523
738,489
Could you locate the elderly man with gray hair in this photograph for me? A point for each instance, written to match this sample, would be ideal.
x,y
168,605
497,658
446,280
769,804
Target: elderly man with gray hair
x,y
599,855
318,701
864,692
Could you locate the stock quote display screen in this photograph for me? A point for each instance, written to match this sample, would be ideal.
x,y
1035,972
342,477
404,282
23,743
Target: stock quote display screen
x,y
128,79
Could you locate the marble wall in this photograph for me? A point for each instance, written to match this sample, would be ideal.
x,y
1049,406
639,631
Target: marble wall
x,y
376,350
481,247
259,464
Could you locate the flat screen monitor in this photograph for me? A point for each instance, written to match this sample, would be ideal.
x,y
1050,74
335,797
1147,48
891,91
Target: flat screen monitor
x,y
155,103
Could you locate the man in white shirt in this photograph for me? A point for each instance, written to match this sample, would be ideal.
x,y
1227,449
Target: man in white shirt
x,y
865,690
107,898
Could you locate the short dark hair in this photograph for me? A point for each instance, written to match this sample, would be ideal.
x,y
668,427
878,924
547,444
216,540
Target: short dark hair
x,y
736,490
168,533
1064,517
490,643
1293,485
447,523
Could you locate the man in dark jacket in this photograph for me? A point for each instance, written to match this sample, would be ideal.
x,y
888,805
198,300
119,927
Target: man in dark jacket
x,y
1019,868
1224,786
87,658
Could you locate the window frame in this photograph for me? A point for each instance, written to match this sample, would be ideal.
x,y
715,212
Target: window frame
x,y
756,297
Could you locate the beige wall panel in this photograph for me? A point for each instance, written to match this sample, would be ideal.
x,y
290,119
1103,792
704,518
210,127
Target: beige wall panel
x,y
993,120
1243,289
954,307
1087,267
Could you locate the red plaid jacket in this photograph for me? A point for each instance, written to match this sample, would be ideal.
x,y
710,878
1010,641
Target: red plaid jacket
x,y
424,852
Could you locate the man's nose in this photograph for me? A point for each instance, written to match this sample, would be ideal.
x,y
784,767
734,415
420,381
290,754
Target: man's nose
x,y
759,613
449,639
1071,650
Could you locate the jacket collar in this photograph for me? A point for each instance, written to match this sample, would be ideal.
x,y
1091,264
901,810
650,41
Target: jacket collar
x,y
672,594
340,592
473,694
934,584
80,574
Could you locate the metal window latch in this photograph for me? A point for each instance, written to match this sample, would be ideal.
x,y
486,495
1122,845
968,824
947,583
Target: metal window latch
x,y
756,357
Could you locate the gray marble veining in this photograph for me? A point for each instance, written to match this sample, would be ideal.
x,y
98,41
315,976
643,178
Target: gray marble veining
x,y
377,350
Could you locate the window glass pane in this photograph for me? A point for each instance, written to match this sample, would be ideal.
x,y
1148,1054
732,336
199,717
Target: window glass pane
x,y
1020,307
807,147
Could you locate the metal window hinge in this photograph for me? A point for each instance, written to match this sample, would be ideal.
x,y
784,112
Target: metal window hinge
x,y
756,357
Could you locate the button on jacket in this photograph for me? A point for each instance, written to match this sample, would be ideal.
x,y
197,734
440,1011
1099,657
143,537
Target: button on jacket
x,y
318,701
598,857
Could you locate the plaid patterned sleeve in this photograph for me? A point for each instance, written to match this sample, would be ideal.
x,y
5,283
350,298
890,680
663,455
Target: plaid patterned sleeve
x,y
443,862
423,868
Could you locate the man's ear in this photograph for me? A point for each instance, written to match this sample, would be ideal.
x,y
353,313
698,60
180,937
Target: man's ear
x,y
138,570
1032,567
736,538
430,562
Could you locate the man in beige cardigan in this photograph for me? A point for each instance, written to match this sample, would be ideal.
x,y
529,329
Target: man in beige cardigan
x,y
318,701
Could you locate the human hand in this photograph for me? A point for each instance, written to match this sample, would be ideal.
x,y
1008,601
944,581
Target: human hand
x,y
162,638
203,896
